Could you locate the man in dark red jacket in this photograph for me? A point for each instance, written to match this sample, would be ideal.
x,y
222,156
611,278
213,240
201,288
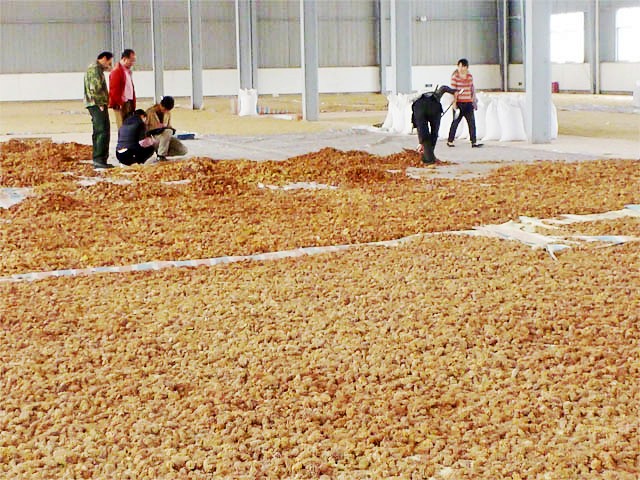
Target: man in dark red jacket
x,y
122,94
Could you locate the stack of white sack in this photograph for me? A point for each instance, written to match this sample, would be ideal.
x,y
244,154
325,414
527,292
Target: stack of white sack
x,y
398,119
504,117
499,117
247,102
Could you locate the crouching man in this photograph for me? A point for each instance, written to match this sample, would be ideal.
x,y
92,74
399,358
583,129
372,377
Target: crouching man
x,y
134,146
426,114
160,129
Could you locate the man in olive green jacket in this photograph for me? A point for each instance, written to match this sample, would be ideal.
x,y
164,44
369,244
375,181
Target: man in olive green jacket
x,y
96,99
160,129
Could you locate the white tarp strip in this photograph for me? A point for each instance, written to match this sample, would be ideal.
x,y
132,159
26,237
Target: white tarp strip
x,y
13,196
299,186
627,211
521,232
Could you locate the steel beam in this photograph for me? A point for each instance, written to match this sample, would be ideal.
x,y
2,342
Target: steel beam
x,y
195,53
538,70
156,49
309,60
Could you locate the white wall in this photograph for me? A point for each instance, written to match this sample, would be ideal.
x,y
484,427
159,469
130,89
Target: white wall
x,y
485,77
41,86
615,77
619,77
330,80
69,86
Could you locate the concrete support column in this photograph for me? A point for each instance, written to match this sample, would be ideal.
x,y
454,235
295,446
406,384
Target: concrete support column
x,y
246,43
156,50
115,17
503,40
121,29
384,42
538,70
401,44
195,53
127,25
593,30
309,60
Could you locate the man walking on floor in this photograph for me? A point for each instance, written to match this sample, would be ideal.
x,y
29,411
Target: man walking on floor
x,y
465,101
96,99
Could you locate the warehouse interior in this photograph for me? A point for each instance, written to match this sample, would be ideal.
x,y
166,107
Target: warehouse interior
x,y
300,296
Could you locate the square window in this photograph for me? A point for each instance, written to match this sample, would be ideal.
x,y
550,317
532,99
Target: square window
x,y
627,34
567,37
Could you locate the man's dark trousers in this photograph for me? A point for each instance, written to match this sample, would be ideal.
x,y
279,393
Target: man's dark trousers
x,y
427,111
135,154
101,134
466,111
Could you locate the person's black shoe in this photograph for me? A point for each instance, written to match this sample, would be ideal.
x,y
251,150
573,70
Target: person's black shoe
x,y
476,145
161,158
102,166
450,144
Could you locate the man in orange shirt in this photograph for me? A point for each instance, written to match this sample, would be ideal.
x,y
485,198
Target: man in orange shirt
x,y
465,101
122,94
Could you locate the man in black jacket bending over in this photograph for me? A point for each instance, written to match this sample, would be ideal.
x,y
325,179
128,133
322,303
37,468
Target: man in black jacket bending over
x,y
133,144
427,111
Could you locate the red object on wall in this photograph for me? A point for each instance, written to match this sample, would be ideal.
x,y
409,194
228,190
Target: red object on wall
x,y
555,87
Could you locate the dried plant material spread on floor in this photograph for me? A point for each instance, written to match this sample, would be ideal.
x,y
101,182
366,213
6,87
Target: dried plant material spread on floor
x,y
221,210
446,357
450,354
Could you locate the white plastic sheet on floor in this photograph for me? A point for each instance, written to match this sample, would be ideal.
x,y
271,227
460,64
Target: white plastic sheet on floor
x,y
299,186
522,231
499,117
12,196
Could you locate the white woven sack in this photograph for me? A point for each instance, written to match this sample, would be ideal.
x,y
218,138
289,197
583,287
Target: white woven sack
x,y
401,114
511,121
407,112
397,114
481,115
247,102
447,118
392,99
492,121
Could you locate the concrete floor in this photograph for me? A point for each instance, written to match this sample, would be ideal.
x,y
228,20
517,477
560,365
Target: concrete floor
x,y
592,127
462,161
